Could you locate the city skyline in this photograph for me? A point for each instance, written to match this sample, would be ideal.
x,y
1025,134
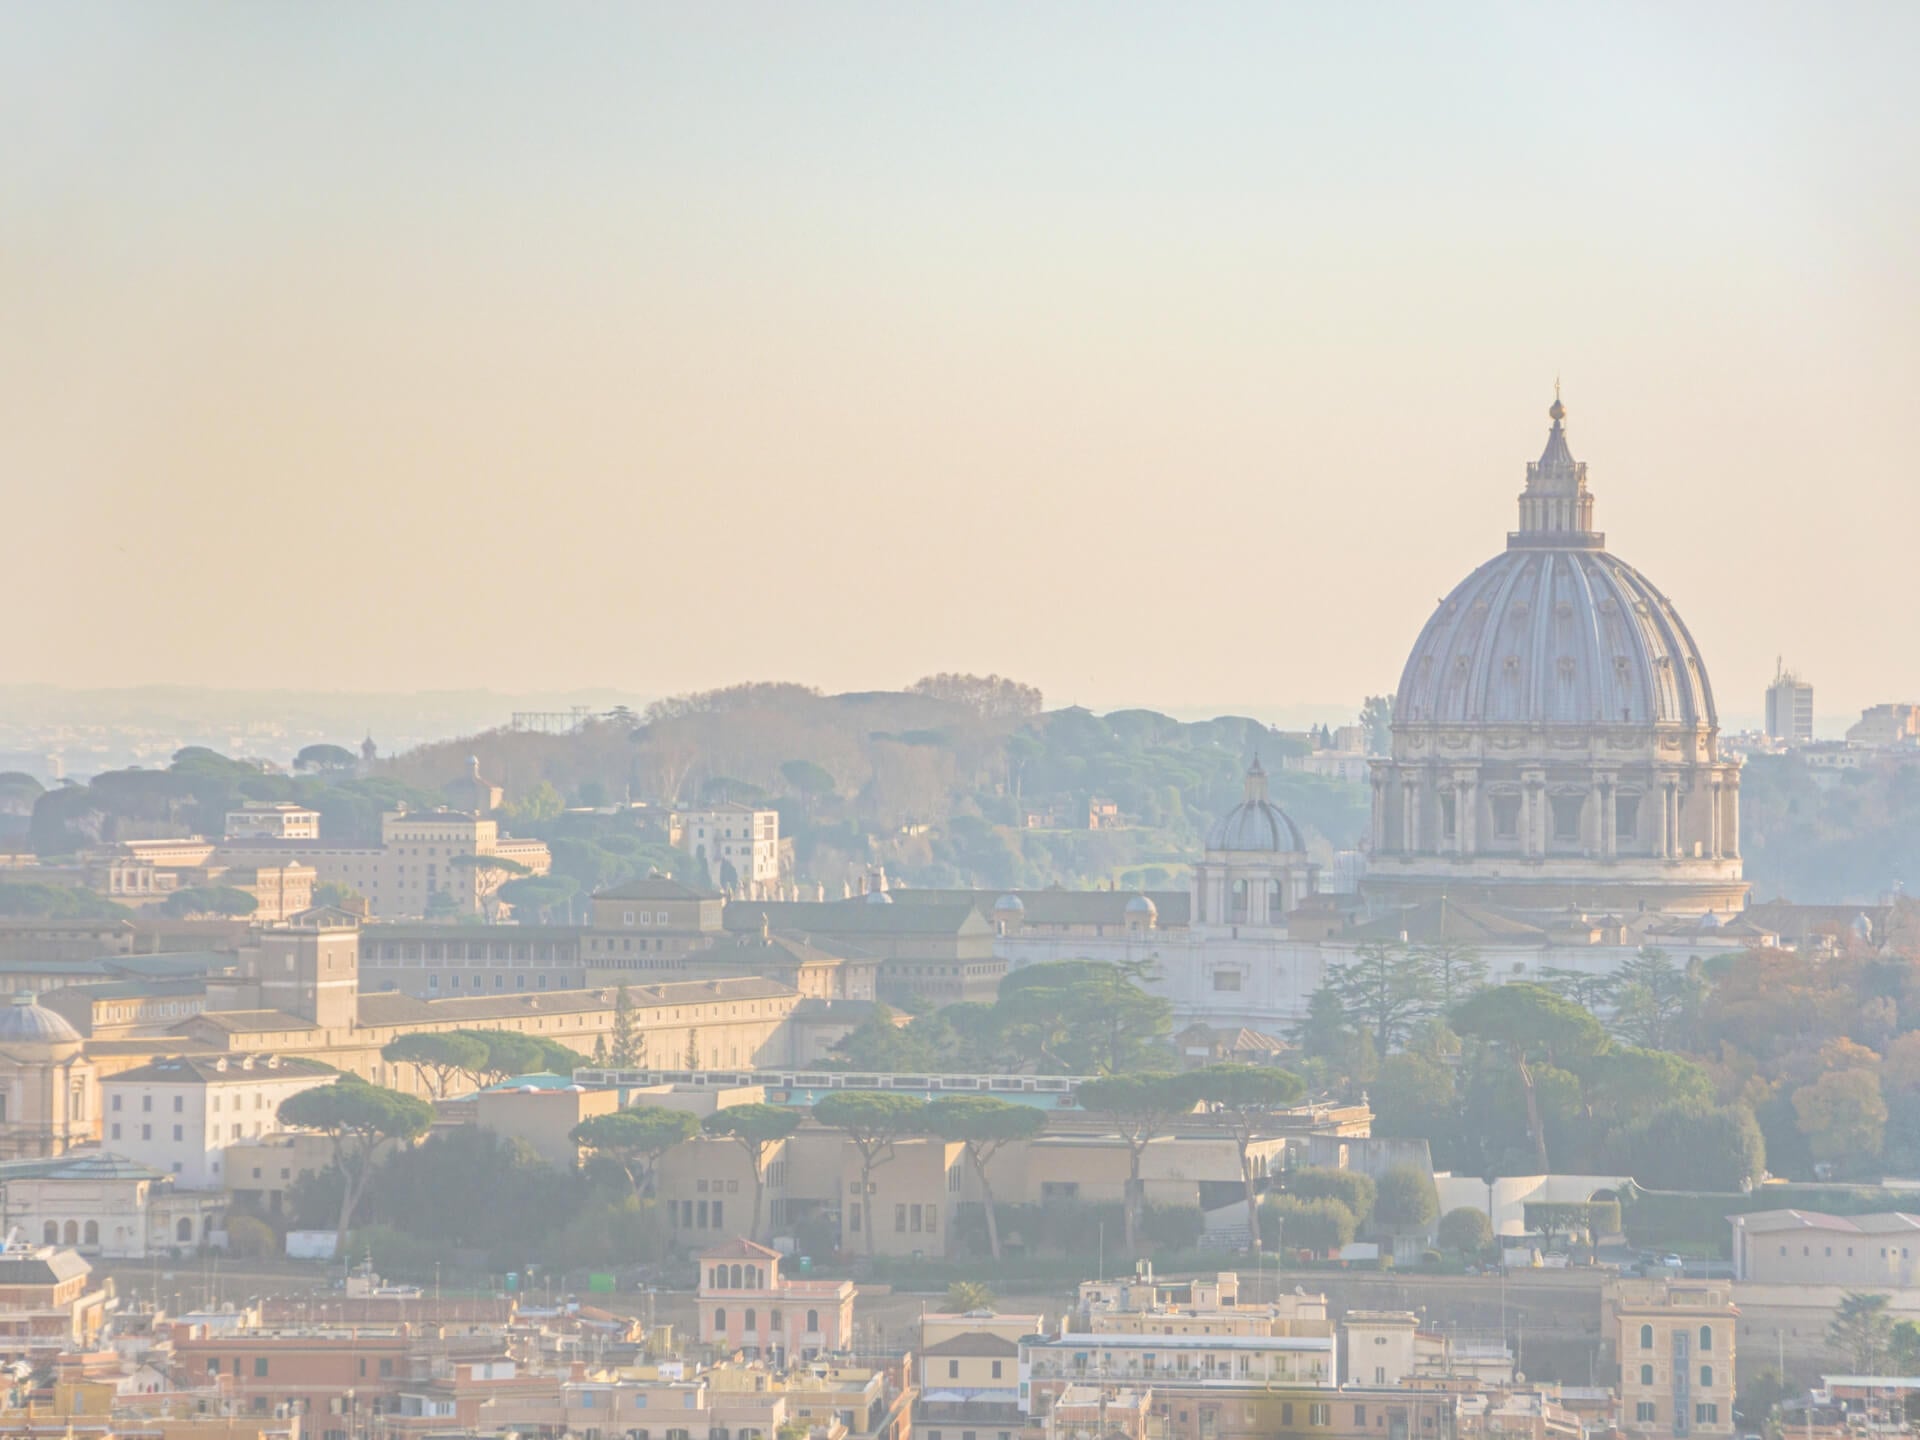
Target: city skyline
x,y
1070,348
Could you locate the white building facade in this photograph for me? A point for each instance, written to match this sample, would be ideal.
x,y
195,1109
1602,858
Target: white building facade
x,y
177,1115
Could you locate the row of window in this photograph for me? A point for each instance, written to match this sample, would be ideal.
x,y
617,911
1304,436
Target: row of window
x,y
1886,1252
180,1103
1706,1337
408,952
1705,1413
180,1131
1706,1376
751,1321
260,1366
702,1215
74,1233
907,1219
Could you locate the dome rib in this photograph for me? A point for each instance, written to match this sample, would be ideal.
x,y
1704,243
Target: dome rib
x,y
1456,673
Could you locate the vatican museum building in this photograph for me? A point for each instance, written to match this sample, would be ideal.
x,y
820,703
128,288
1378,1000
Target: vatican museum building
x,y
1554,737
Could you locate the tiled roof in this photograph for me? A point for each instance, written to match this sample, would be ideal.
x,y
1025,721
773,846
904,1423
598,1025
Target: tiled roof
x,y
978,1342
390,1007
78,1165
43,1265
1061,907
653,887
817,1009
855,917
1444,919
250,1022
221,1070
432,930
393,1008
747,949
130,989
1772,1221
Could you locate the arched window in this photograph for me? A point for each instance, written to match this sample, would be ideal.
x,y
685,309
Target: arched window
x,y
1706,1338
736,1278
720,1322
184,1230
715,1279
1240,901
1646,1374
813,1321
91,1235
752,1322
50,1233
73,1232
1646,1337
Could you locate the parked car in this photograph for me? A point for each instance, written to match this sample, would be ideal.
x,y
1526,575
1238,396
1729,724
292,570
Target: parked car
x,y
1672,1261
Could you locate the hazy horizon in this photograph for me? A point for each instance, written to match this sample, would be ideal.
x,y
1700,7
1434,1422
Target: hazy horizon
x,y
1130,351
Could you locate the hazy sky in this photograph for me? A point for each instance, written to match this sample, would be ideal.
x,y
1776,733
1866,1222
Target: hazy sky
x,y
1179,354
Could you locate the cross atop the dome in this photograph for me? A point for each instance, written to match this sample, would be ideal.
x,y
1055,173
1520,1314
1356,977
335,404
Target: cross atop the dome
x,y
1556,454
1256,779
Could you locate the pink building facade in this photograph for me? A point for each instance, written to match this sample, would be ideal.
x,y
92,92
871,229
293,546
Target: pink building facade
x,y
747,1305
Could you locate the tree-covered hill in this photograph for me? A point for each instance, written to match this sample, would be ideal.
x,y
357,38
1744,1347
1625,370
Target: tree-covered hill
x,y
959,780
1829,836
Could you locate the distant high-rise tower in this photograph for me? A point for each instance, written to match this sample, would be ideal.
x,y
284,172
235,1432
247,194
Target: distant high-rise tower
x,y
1789,707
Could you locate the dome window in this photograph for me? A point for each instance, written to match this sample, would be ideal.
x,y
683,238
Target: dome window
x,y
1240,902
1567,811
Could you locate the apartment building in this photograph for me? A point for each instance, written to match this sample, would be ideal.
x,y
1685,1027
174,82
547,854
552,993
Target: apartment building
x,y
428,862
338,1378
49,1302
1806,1247
177,1115
272,820
106,1205
737,845
746,1304
1675,1346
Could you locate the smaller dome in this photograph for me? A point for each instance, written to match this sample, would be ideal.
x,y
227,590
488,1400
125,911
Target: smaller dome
x,y
1256,823
26,1022
1141,905
1009,905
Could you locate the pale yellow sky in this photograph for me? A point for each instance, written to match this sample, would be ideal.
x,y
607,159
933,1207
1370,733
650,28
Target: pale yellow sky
x,y
1167,355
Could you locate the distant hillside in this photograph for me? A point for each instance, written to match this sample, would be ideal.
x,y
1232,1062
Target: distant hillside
x,y
1829,837
939,783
